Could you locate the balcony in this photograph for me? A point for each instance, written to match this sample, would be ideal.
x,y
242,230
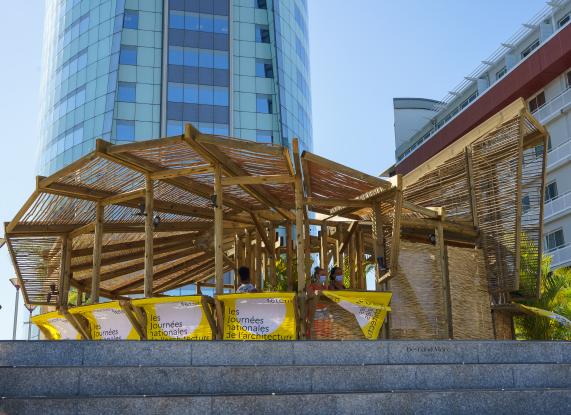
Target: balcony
x,y
553,108
557,207
560,256
559,155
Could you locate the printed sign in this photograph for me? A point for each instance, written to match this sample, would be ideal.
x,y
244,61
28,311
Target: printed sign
x,y
175,318
55,326
107,321
259,316
369,308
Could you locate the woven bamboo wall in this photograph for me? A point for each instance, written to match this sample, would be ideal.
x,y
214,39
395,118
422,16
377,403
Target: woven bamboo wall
x,y
471,313
417,304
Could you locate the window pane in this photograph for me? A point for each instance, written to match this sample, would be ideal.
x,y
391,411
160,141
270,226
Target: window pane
x,y
191,94
220,96
264,136
176,19
191,21
206,59
174,127
262,34
220,60
264,104
174,92
131,19
205,95
261,4
190,57
264,68
128,55
126,91
220,24
206,23
176,55
125,130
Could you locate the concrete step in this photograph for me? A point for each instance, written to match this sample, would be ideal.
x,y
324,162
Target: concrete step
x,y
483,402
212,353
207,380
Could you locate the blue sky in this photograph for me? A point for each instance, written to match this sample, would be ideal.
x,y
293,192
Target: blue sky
x,y
363,53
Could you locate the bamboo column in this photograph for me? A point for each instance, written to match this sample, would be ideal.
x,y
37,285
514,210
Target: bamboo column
x,y
258,262
289,256
340,238
272,257
97,244
361,278
352,262
379,243
218,231
149,208
65,270
237,259
299,223
443,257
323,257
79,300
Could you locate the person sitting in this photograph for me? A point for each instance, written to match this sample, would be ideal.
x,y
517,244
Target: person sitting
x,y
245,285
318,281
336,279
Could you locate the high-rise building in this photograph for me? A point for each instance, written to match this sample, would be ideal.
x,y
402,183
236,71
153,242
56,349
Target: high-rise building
x,y
126,70
534,64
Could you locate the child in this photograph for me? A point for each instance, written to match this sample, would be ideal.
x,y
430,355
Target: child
x,y
245,285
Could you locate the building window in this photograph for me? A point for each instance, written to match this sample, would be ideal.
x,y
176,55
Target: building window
x,y
125,130
563,21
554,240
128,55
568,79
468,100
261,4
131,19
126,91
551,192
262,34
264,103
501,72
264,68
530,48
537,102
264,136
525,204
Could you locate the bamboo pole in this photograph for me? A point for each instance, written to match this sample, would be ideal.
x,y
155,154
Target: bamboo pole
x,y
361,278
257,257
379,243
323,257
65,270
289,256
272,256
97,243
148,275
218,231
352,262
443,257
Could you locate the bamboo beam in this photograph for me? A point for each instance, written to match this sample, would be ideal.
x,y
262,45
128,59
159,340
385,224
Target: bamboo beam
x,y
347,237
149,211
471,189
419,209
428,224
123,197
268,179
187,171
218,231
97,242
29,202
312,201
262,233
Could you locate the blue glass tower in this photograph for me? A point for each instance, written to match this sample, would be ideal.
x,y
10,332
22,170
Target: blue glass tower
x,y
130,70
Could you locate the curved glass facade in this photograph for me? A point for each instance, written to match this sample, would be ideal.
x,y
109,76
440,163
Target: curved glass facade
x,y
126,70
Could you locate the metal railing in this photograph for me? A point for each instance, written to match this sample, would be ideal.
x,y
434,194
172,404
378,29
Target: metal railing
x,y
557,205
554,106
560,256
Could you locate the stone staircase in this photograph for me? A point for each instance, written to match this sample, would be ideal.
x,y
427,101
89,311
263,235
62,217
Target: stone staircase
x,y
348,377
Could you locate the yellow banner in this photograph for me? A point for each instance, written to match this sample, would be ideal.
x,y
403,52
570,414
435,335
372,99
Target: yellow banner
x,y
56,327
369,308
259,316
107,321
175,318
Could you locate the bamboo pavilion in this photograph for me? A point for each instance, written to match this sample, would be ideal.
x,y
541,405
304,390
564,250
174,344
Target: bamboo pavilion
x,y
144,218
